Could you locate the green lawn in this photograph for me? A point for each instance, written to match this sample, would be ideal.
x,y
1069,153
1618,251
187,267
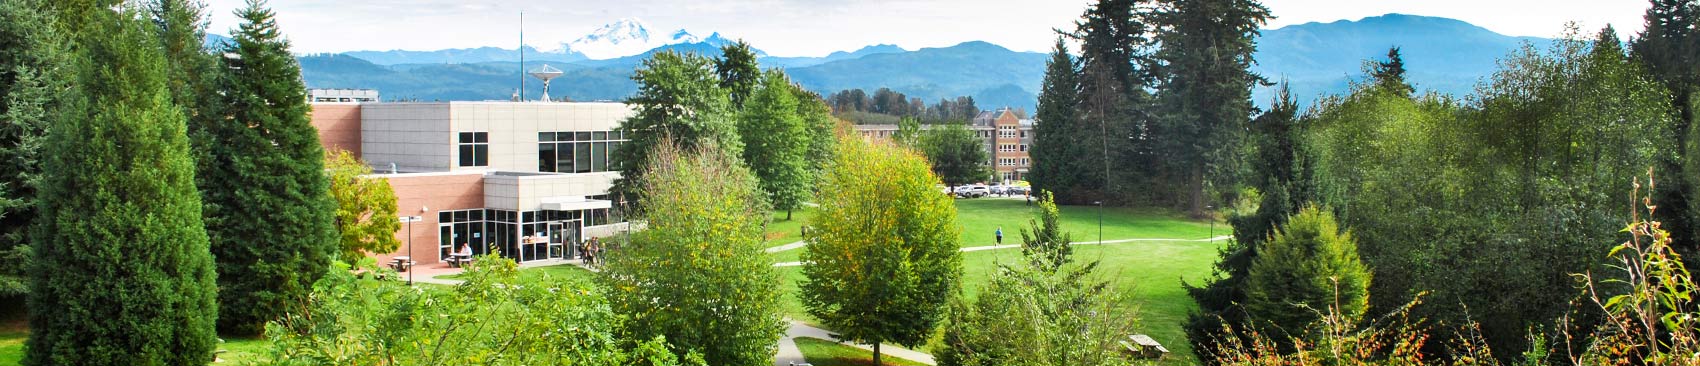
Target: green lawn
x,y
1151,271
821,352
237,351
781,231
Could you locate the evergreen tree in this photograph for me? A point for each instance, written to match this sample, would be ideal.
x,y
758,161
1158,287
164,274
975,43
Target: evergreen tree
x,y
193,72
1055,153
881,218
1308,265
776,143
1113,99
1390,74
31,76
269,211
738,71
1043,242
679,98
122,273
1277,172
1206,96
1669,48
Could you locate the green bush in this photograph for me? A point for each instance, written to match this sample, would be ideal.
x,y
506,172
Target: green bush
x,y
495,318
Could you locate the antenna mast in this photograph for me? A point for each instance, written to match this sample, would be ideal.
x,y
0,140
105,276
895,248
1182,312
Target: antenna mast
x,y
521,55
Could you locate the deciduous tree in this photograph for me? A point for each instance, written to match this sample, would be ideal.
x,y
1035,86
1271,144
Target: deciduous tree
x,y
697,274
366,219
738,71
882,259
776,143
956,153
679,98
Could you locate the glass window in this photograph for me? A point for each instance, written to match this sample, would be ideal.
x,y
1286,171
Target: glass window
x,y
545,136
582,157
529,216
600,153
466,158
599,135
584,136
474,149
460,216
563,164
475,215
546,157
444,217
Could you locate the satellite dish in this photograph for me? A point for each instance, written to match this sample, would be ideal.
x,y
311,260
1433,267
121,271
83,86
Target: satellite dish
x,y
546,73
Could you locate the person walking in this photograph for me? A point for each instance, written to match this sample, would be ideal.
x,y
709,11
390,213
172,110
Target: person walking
x,y
1000,235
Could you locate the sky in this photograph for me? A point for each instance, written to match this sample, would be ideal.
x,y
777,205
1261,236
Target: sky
x,y
819,27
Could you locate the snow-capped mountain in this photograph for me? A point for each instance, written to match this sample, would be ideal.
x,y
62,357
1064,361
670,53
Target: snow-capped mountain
x,y
629,36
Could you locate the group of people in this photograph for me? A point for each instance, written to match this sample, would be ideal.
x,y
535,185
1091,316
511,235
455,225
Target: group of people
x,y
593,251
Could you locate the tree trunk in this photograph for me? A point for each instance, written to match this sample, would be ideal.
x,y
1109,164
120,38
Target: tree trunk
x,y
876,353
787,215
1197,178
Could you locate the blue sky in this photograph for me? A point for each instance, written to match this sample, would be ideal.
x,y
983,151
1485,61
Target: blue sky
x,y
818,27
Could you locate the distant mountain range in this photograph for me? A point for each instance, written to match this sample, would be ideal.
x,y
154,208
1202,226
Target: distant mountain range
x,y
1442,54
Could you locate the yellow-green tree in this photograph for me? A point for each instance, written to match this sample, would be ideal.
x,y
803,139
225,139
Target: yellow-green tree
x,y
1307,266
365,207
697,275
883,260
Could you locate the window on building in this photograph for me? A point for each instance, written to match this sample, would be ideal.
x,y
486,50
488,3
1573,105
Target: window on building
x,y
577,152
1023,147
474,148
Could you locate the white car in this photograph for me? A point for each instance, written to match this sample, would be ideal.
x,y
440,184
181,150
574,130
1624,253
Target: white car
x,y
973,191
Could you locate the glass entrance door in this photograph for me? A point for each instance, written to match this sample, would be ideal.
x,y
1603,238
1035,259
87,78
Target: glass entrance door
x,y
558,238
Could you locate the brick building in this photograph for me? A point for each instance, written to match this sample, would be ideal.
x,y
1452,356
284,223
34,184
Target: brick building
x,y
525,180
1007,139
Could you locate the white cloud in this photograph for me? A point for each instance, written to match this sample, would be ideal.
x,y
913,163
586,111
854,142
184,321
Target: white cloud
x,y
818,27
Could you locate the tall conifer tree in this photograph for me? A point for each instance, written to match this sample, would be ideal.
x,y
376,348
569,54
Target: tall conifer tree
x,y
738,71
1055,152
1669,46
31,76
269,212
1114,103
122,274
1207,50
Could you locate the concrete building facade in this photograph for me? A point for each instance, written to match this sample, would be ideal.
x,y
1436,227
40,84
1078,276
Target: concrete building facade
x,y
525,180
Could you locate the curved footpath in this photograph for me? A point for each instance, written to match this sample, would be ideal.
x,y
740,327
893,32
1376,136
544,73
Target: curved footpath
x,y
799,244
789,354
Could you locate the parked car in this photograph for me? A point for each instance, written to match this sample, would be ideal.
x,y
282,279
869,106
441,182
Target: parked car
x,y
999,190
975,191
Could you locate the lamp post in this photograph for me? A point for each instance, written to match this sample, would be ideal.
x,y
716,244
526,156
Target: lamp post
x,y
1100,205
1212,218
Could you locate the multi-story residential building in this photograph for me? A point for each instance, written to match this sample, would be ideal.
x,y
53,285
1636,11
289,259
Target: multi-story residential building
x,y
1007,140
525,180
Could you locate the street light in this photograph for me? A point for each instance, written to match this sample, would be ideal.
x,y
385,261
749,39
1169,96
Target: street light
x,y
1100,205
1212,218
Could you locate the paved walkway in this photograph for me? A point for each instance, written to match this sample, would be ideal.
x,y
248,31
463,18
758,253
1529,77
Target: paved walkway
x,y
781,248
432,273
1010,246
789,354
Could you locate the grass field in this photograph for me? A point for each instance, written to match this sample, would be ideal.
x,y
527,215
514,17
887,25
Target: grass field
x,y
1150,271
821,352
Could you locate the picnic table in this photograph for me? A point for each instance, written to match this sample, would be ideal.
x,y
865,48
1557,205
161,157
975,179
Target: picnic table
x,y
458,260
1143,346
401,263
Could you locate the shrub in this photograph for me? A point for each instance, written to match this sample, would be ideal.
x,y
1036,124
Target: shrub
x,y
1306,266
495,318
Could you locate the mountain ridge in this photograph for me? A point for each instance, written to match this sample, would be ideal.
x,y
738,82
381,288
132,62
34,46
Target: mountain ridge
x,y
1317,58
